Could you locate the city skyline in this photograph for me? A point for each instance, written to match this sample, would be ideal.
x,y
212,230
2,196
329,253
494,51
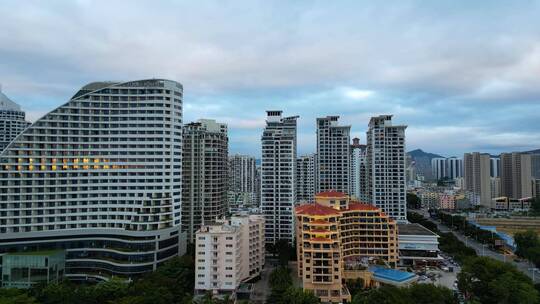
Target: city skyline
x,y
462,77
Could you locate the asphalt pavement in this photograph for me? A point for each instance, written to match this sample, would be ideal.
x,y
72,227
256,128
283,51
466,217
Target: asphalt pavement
x,y
484,250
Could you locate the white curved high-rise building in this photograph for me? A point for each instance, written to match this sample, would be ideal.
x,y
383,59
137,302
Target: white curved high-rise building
x,y
98,177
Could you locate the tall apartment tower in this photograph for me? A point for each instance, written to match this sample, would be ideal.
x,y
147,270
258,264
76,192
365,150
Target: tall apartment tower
x,y
306,177
438,167
12,120
358,170
333,155
495,167
278,175
454,167
385,159
204,176
516,175
242,174
100,179
535,165
477,177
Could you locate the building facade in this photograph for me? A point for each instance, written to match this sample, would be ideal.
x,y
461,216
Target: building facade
x,y
242,190
535,165
495,167
306,177
516,175
333,155
451,167
12,120
477,177
242,171
358,170
204,175
336,240
278,176
100,178
385,161
228,253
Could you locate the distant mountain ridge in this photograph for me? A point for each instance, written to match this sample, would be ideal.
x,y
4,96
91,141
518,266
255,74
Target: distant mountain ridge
x,y
421,153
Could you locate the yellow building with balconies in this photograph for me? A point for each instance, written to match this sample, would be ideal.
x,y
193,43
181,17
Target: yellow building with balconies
x,y
337,239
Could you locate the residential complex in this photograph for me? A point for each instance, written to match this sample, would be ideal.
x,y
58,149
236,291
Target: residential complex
x,y
358,170
516,175
278,175
333,155
229,252
306,177
100,179
204,175
338,239
385,162
12,120
476,168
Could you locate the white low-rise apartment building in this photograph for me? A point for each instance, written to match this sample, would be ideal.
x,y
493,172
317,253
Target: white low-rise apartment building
x,y
228,253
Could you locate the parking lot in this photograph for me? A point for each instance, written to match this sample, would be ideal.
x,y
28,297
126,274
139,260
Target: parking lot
x,y
445,275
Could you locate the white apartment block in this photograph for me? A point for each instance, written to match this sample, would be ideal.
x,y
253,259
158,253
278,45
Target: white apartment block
x,y
495,167
228,253
438,167
333,155
306,178
278,176
242,181
451,168
204,175
12,120
99,177
358,170
385,161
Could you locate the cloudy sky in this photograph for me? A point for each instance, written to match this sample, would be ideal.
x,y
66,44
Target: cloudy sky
x,y
463,75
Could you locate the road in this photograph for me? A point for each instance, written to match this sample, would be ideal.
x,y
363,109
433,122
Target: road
x,y
261,289
484,250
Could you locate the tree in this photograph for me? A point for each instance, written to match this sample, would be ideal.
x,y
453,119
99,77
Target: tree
x,y
295,295
413,201
280,280
535,206
15,296
489,281
355,285
525,241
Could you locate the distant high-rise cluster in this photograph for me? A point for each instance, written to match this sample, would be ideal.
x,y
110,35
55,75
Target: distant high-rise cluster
x,y
204,175
385,161
12,120
278,176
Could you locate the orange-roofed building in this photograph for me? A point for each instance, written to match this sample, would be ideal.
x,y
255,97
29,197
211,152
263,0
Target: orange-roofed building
x,y
334,237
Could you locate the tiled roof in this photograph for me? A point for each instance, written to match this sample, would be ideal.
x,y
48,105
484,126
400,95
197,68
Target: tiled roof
x,y
315,209
331,193
361,206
